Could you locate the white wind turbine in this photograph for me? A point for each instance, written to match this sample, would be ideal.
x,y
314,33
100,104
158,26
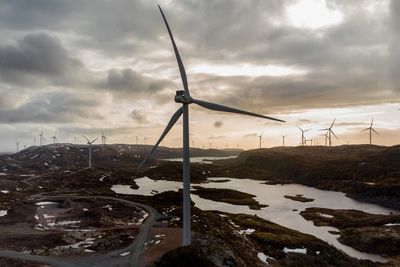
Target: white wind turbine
x,y
17,143
330,132
90,149
103,140
41,138
303,138
54,140
370,129
183,97
260,138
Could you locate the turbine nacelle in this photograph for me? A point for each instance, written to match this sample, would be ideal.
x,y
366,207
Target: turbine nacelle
x,y
181,98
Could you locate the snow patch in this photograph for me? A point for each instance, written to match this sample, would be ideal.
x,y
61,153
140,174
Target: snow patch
x,y
264,257
248,231
295,250
325,215
392,224
43,203
123,254
5,191
3,213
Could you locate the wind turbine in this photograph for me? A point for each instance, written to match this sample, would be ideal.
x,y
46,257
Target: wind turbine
x,y
54,140
183,97
283,140
260,138
103,140
370,131
17,143
41,137
325,137
330,132
303,139
90,149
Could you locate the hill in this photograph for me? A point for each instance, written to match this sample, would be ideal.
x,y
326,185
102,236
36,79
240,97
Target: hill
x,y
366,172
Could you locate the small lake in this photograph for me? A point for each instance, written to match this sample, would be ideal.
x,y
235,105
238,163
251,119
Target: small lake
x,y
280,209
201,159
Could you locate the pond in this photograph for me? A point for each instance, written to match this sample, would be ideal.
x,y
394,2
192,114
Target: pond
x,y
281,210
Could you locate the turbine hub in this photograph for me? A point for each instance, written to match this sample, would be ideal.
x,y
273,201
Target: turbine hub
x,y
181,98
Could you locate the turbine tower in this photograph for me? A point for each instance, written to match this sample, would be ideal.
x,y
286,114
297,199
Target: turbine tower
x,y
90,149
283,140
54,140
303,139
41,138
260,138
183,97
370,129
330,132
325,137
103,140
17,143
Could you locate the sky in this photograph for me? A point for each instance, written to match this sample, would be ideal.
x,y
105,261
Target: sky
x,y
76,67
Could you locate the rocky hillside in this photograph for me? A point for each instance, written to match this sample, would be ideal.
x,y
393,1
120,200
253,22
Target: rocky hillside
x,y
367,172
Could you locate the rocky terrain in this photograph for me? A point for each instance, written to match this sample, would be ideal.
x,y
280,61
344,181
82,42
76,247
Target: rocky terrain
x,y
369,173
365,172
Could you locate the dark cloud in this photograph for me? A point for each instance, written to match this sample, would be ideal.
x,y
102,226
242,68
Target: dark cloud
x,y
139,116
56,107
127,80
218,124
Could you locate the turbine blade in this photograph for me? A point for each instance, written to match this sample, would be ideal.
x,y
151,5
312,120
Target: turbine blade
x,y
300,129
332,123
334,134
177,55
212,106
372,122
375,131
86,138
307,130
94,140
170,124
326,129
365,130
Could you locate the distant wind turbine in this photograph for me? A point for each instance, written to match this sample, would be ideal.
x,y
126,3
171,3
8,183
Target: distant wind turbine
x,y
325,135
17,143
303,139
41,138
283,140
103,140
90,149
183,97
330,132
54,140
260,138
370,129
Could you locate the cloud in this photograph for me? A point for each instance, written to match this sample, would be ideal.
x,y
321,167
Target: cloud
x,y
54,107
250,135
139,116
127,80
218,124
36,57
216,137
